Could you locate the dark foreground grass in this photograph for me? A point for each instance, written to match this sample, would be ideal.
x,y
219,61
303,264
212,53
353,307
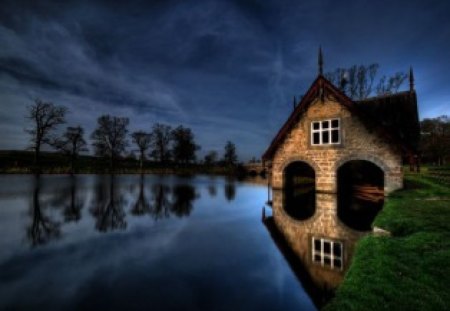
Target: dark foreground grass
x,y
411,269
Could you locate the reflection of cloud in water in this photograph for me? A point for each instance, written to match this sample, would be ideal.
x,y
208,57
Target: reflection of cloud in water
x,y
75,265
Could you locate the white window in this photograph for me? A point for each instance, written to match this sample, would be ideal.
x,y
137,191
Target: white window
x,y
326,132
328,253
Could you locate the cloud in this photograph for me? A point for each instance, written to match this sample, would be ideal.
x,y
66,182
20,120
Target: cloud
x,y
237,63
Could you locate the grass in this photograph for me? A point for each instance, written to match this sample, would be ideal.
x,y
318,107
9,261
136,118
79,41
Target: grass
x,y
409,270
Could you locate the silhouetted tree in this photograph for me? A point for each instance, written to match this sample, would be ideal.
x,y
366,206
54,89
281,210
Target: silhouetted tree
x,y
71,143
211,158
184,146
110,137
45,117
389,85
358,81
355,81
143,141
435,139
160,142
230,157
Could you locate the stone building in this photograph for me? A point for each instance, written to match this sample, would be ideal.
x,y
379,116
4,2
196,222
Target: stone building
x,y
328,130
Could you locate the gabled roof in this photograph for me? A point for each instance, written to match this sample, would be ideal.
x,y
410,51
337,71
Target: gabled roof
x,y
396,114
393,116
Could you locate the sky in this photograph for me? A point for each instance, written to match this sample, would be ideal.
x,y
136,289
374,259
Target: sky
x,y
227,69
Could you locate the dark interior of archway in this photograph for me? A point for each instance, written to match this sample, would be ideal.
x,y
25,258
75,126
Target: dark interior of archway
x,y
360,193
300,192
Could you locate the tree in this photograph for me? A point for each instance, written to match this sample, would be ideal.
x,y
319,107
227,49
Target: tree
x,y
71,143
210,158
392,84
184,147
143,141
110,137
230,156
45,117
435,139
358,81
160,142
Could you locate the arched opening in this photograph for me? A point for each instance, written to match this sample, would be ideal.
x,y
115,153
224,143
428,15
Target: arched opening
x,y
360,193
299,190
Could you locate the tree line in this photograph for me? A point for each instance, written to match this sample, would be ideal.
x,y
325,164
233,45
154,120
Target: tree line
x,y
435,140
164,144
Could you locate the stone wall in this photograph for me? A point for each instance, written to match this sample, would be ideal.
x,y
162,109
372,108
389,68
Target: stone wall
x,y
357,143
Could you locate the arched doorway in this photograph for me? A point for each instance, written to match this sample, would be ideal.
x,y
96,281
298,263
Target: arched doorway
x,y
299,190
360,186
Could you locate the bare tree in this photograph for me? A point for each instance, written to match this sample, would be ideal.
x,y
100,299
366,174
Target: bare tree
x,y
358,81
71,143
161,138
45,117
143,141
110,137
392,84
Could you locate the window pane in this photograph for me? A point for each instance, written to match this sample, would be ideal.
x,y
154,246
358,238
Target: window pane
x,y
317,245
317,258
325,137
316,138
325,124
327,247
315,125
327,261
335,123
335,136
337,249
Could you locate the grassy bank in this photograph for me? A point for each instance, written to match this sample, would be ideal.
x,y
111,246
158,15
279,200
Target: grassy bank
x,y
411,269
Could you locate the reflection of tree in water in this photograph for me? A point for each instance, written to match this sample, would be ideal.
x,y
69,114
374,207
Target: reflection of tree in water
x,y
141,206
183,197
161,203
212,190
42,228
67,199
230,190
107,207
72,211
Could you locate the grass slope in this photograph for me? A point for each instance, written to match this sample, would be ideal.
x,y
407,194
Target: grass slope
x,y
411,269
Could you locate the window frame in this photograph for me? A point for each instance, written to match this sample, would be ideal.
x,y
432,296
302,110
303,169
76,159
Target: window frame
x,y
324,255
321,130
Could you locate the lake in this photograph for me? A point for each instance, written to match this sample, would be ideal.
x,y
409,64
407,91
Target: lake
x,y
132,243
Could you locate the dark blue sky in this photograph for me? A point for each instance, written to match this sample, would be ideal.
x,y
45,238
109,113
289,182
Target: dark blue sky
x,y
227,69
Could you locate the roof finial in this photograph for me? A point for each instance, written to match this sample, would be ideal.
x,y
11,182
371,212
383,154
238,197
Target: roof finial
x,y
320,61
411,79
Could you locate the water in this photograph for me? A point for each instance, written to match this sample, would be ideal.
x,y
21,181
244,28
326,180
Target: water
x,y
126,243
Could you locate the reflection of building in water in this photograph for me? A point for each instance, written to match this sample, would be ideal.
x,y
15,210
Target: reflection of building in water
x,y
323,243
